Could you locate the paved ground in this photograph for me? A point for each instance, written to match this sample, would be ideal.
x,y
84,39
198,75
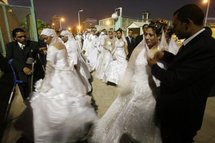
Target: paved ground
x,y
104,96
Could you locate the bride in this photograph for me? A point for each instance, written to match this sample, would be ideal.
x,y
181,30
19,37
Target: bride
x,y
132,113
62,111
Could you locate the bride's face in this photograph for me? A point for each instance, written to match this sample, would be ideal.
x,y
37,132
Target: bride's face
x,y
119,34
46,39
151,37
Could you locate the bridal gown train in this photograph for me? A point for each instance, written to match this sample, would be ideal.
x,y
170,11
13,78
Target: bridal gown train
x,y
133,110
62,111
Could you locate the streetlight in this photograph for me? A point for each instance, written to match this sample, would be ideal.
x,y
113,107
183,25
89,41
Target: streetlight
x,y
108,22
61,20
79,28
206,15
69,28
53,25
79,23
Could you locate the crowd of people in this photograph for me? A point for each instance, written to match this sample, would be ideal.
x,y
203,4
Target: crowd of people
x,y
163,88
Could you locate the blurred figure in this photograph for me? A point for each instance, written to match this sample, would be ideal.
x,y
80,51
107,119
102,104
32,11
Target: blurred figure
x,y
107,55
24,52
75,58
117,67
79,38
101,54
139,38
130,42
131,116
188,78
62,110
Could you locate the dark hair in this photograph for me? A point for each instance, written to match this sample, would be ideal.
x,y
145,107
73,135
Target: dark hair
x,y
97,33
16,30
130,30
190,12
169,31
156,26
144,26
110,31
119,30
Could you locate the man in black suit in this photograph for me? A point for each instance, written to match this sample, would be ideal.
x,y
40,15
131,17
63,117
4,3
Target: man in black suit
x,y
130,42
187,81
139,38
24,54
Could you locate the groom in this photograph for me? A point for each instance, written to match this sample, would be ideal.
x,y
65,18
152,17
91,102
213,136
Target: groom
x,y
187,81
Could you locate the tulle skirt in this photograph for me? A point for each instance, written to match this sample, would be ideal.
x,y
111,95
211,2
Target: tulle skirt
x,y
115,71
132,114
62,112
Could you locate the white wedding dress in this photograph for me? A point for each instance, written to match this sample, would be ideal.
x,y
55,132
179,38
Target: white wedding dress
x,y
116,68
62,111
133,110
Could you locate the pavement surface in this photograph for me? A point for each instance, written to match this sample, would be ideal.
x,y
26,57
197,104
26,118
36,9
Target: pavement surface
x,y
104,95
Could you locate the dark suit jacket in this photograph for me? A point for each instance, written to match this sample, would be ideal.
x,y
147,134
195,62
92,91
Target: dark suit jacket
x,y
20,57
131,46
138,39
186,84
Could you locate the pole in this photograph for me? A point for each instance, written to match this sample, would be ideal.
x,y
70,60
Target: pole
x,y
206,15
79,21
6,22
2,43
34,22
79,18
60,25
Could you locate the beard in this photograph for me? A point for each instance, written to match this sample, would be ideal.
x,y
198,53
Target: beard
x,y
183,35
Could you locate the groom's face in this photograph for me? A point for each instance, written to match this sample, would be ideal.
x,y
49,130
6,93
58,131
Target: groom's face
x,y
181,29
21,37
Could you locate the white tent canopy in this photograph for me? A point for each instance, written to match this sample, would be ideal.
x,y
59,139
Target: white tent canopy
x,y
137,25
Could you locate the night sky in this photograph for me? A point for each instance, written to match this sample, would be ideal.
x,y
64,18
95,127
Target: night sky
x,y
100,9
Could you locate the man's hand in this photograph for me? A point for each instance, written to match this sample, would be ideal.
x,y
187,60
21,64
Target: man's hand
x,y
43,50
27,71
151,61
158,55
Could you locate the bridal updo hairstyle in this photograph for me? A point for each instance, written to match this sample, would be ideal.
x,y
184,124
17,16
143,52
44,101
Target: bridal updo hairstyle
x,y
157,26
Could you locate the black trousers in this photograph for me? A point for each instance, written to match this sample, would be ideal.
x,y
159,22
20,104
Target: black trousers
x,y
24,90
177,134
